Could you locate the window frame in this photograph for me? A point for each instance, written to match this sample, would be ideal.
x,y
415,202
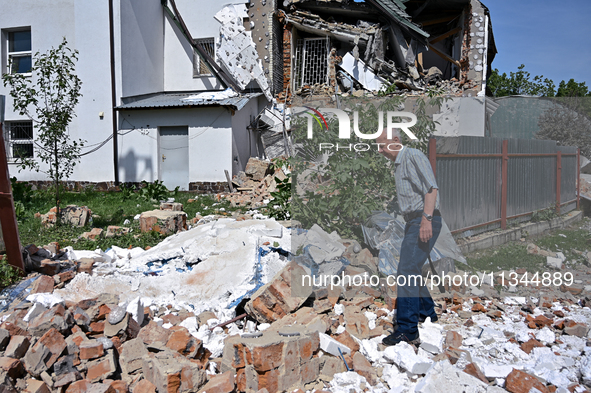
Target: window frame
x,y
197,61
11,141
13,54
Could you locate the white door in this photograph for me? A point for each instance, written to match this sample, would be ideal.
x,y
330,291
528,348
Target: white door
x,y
174,157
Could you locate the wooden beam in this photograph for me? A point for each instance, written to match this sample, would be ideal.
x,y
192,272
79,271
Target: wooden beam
x,y
445,35
446,57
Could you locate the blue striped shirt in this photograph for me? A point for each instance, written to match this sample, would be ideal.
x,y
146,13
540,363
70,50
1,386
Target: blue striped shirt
x,y
414,178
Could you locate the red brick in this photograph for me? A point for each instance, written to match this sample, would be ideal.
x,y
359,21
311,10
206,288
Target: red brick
x,y
97,327
181,341
54,341
101,369
13,367
119,386
267,357
44,284
270,380
35,386
453,339
91,349
79,386
221,383
17,347
309,345
474,370
346,339
65,276
520,382
152,333
144,386
528,346
104,310
478,308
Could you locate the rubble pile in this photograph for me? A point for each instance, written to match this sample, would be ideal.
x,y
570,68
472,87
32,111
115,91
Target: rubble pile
x,y
254,185
218,309
77,216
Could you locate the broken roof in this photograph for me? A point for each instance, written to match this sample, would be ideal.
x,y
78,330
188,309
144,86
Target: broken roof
x,y
171,100
396,11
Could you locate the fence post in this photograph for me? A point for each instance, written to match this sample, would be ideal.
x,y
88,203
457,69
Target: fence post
x,y
578,178
7,214
433,154
504,165
558,179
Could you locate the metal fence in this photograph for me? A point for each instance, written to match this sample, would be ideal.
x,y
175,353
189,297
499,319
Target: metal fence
x,y
486,183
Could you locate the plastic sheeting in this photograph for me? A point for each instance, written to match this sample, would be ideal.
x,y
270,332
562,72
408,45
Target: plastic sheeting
x,y
384,232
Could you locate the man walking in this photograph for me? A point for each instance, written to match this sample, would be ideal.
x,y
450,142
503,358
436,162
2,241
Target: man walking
x,y
419,202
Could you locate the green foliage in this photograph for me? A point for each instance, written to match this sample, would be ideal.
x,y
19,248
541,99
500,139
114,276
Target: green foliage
x,y
49,98
572,89
544,214
155,191
520,83
8,274
341,193
279,206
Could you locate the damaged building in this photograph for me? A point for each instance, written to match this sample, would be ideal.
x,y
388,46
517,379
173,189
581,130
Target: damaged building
x,y
342,46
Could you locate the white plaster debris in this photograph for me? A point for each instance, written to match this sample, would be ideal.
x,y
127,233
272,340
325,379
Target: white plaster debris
x,y
236,49
347,382
496,370
555,263
431,337
443,377
321,245
332,346
46,299
136,309
545,336
404,356
339,309
225,251
34,311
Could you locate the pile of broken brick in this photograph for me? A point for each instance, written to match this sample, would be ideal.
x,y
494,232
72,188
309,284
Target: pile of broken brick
x,y
254,185
325,339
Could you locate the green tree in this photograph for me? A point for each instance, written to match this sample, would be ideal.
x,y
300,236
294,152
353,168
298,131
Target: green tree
x,y
520,83
48,97
572,89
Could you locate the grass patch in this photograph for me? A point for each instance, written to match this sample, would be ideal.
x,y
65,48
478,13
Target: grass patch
x,y
507,257
573,242
108,208
8,274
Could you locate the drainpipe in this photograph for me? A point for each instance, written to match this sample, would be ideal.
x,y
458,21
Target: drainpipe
x,y
113,94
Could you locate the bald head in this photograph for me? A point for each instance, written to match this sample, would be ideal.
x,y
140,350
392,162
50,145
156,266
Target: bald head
x,y
389,148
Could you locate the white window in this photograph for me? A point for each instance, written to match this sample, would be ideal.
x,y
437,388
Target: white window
x,y
19,51
200,67
18,136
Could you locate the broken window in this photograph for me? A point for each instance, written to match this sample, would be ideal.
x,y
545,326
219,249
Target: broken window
x,y
19,52
200,67
19,139
311,62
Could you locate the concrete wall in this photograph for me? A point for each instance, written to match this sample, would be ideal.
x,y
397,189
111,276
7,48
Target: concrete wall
x,y
210,142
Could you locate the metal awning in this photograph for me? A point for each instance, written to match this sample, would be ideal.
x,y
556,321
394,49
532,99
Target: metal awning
x,y
184,100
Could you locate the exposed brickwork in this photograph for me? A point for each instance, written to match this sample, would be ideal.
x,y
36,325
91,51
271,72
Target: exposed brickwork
x,y
282,97
208,187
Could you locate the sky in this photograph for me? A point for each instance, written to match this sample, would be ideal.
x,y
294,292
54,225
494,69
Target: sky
x,y
551,37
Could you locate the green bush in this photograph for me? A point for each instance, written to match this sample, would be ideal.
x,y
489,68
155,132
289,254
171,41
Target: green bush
x,y
8,274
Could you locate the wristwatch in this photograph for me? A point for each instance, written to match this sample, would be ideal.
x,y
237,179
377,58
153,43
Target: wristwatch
x,y
428,216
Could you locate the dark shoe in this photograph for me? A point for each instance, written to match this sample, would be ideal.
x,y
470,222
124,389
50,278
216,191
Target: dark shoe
x,y
433,318
396,338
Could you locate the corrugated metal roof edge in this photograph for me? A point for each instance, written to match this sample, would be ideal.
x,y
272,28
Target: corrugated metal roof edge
x,y
142,102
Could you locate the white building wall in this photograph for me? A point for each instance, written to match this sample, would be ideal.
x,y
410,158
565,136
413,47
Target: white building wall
x,y
461,116
142,47
178,53
85,26
210,142
151,56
